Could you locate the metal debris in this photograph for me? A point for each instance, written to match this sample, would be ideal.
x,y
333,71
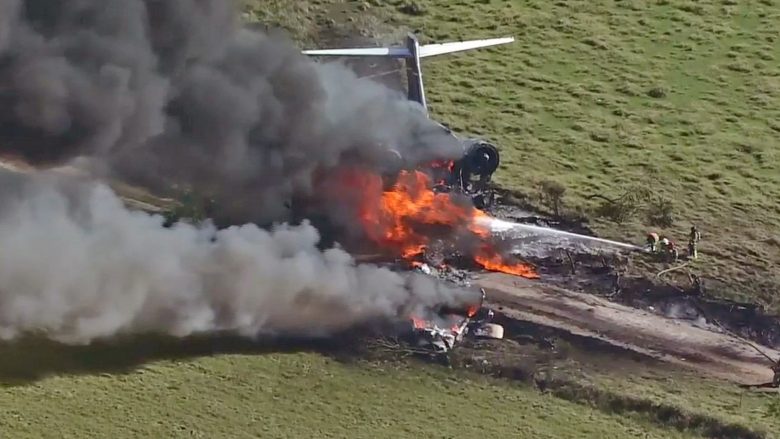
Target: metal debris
x,y
446,273
448,327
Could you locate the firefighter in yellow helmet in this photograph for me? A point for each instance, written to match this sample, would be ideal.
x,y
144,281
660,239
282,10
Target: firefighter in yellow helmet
x,y
669,249
652,242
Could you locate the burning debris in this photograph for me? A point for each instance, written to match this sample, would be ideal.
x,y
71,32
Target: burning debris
x,y
443,271
449,325
407,218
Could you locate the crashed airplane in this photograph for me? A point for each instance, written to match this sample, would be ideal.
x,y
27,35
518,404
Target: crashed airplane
x,y
443,327
472,173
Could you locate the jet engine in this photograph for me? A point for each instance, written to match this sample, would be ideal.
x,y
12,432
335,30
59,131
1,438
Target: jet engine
x,y
471,174
480,160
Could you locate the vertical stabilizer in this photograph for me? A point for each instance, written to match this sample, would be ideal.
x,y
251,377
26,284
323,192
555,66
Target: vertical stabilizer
x,y
414,72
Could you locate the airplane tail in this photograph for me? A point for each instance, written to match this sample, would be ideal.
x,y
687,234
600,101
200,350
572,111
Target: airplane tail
x,y
412,54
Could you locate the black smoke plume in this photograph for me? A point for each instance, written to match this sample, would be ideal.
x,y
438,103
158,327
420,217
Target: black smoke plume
x,y
177,92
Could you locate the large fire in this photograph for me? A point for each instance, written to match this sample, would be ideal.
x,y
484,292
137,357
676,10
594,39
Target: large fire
x,y
403,216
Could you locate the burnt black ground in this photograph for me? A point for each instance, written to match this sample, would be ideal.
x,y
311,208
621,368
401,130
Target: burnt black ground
x,y
638,287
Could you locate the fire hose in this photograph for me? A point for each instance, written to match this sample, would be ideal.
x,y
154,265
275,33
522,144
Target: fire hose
x,y
668,270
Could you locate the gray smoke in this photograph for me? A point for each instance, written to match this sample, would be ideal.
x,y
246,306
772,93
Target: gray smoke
x,y
76,265
176,92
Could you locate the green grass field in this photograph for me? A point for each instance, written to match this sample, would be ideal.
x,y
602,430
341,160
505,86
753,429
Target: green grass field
x,y
294,396
115,392
570,100
225,387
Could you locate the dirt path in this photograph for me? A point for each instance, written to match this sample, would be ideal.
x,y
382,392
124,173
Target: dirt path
x,y
675,341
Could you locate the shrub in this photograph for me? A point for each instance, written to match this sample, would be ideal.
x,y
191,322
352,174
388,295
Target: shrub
x,y
623,208
660,213
657,92
552,193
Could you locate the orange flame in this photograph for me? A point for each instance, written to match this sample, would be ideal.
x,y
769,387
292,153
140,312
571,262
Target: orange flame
x,y
399,217
419,323
493,262
441,169
395,219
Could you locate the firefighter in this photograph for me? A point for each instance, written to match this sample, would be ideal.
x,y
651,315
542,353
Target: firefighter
x,y
674,254
652,242
669,250
693,243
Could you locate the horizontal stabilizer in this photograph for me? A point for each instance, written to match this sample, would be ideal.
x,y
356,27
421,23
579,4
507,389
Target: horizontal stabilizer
x,y
440,49
404,52
412,53
392,52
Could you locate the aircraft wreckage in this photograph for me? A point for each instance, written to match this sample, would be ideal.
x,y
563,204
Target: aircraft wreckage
x,y
444,326
451,325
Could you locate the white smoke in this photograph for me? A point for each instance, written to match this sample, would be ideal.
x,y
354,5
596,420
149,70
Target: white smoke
x,y
76,265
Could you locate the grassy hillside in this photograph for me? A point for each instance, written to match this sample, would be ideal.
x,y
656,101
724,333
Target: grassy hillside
x,y
281,395
227,387
682,97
